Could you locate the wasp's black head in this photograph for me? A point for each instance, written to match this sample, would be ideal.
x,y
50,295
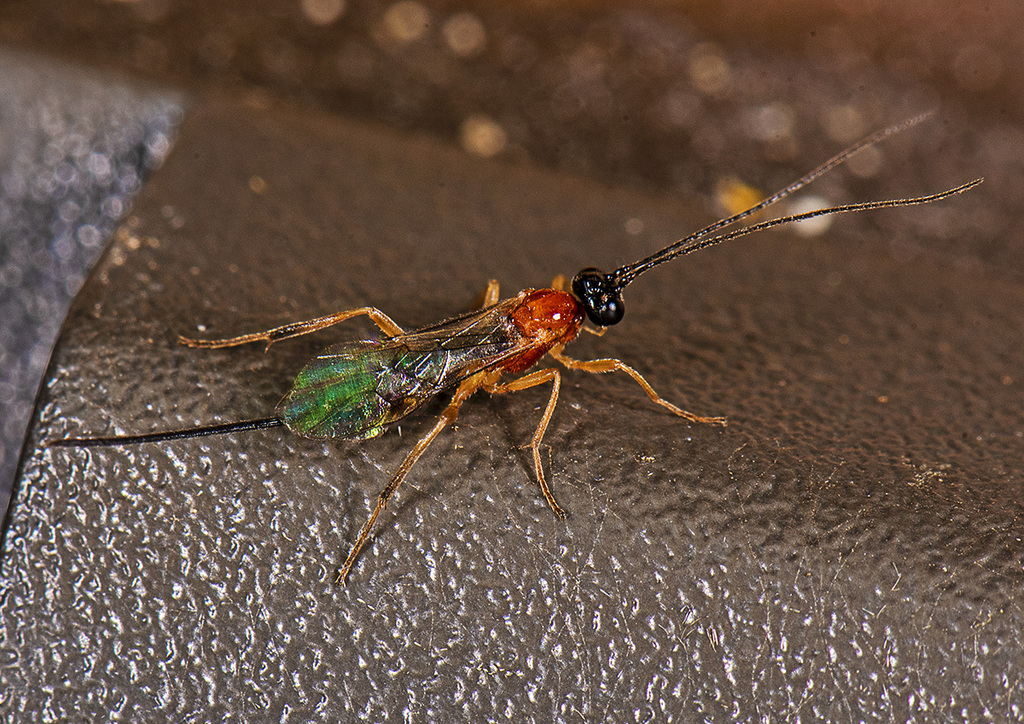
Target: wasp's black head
x,y
600,295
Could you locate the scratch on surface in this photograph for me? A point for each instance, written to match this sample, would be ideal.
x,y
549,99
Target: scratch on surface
x,y
844,559
827,483
579,612
899,575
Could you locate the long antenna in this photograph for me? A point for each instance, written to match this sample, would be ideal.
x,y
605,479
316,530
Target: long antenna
x,y
601,292
625,274
698,244
257,424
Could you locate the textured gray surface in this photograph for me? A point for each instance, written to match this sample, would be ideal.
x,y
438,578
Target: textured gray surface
x,y
75,147
849,548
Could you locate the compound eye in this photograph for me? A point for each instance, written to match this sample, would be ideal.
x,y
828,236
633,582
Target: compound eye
x,y
600,297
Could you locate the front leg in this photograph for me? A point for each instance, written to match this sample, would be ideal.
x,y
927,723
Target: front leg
x,y
600,366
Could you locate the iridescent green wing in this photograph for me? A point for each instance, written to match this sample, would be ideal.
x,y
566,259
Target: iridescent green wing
x,y
353,391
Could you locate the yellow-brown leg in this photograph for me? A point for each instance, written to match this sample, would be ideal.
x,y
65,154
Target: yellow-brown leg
x,y
467,388
296,329
532,380
491,294
600,366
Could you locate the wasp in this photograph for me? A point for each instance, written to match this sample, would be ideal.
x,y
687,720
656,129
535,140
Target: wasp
x,y
356,390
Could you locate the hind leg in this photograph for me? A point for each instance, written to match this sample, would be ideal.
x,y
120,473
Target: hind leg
x,y
523,383
467,388
297,329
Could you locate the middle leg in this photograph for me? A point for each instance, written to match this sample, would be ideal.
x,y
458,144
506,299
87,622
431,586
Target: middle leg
x,y
522,383
491,294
